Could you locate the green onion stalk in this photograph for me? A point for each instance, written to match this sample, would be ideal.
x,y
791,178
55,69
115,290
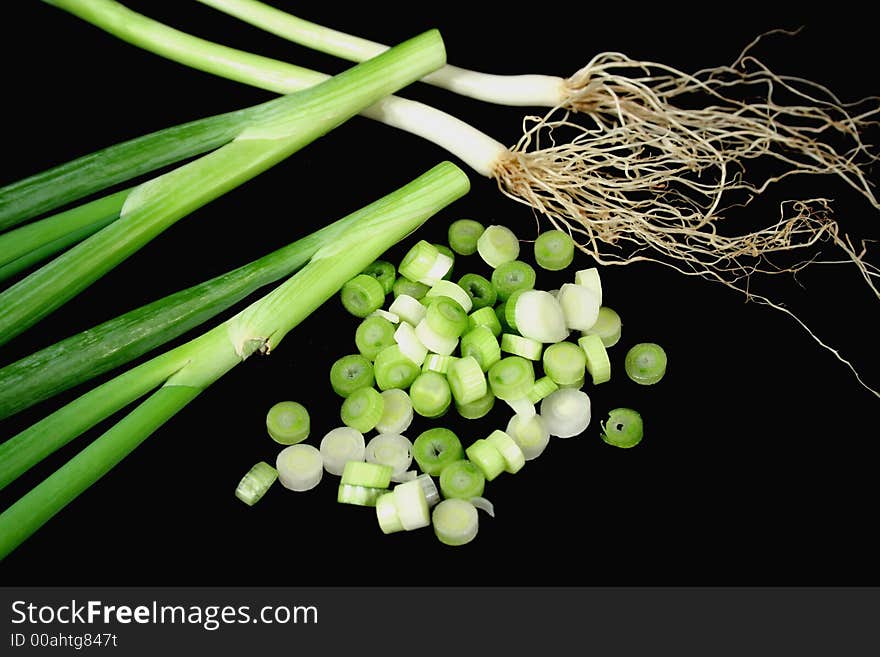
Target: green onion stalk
x,y
688,138
175,378
149,208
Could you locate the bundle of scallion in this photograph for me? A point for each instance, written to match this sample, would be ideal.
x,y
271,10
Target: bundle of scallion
x,y
661,157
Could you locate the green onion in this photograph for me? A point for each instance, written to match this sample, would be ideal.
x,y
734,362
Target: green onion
x,y
288,422
391,449
478,408
462,480
566,412
487,458
466,380
436,343
362,409
607,326
543,387
372,335
445,250
485,317
520,346
598,363
645,363
623,428
358,495
455,522
554,250
362,295
351,372
410,346
436,448
511,276
454,292
509,450
522,406
498,245
386,514
589,278
371,475
565,363
479,289
538,315
300,467
530,434
437,363
463,235
411,504
410,288
384,272
424,263
255,483
446,318
397,412
339,446
580,305
511,377
482,345
394,370
430,394
408,309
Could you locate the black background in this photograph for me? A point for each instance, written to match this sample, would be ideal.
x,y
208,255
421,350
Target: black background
x,y
757,464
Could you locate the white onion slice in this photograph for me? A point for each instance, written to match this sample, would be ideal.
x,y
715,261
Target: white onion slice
x,y
566,412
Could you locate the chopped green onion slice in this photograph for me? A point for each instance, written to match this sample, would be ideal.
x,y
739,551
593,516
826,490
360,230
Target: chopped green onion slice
x,y
430,394
455,521
511,276
497,245
538,315
412,505
462,480
372,475
391,449
580,306
442,267
362,409
565,363
477,408
397,413
409,343
373,334
437,363
386,315
386,514
446,317
410,288
522,406
436,343
358,495
255,483
509,450
520,346
511,377
466,380
589,278
300,467
482,345
577,383
288,422
449,253
607,326
487,458
566,412
393,369
530,434
645,363
418,261
362,295
482,504
436,448
481,292
454,292
408,308
598,363
554,250
384,272
623,428
485,317
543,387
429,488
339,446
463,235
350,373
